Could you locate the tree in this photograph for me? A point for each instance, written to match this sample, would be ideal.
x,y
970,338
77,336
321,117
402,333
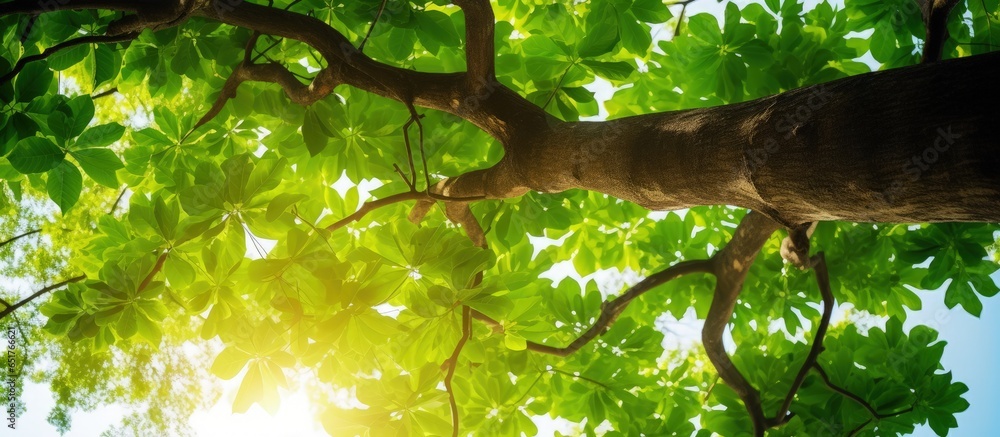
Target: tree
x,y
437,319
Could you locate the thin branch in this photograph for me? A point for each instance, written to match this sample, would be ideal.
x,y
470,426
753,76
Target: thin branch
x,y
373,205
610,310
846,393
857,399
680,17
10,309
452,363
105,93
397,198
823,280
491,106
18,237
708,393
156,269
558,85
118,200
381,8
89,39
860,427
263,53
420,144
409,148
403,176
580,377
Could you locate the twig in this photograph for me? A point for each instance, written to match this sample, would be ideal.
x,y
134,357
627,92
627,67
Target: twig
x,y
89,39
420,143
10,309
114,206
452,363
823,281
610,310
580,377
18,237
858,429
558,85
381,8
857,399
105,93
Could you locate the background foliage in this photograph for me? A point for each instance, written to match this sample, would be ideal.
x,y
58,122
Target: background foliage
x,y
214,236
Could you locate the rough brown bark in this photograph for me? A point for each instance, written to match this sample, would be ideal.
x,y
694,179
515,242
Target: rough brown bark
x,y
906,145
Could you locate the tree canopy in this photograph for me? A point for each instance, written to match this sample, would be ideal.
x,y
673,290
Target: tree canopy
x,y
358,192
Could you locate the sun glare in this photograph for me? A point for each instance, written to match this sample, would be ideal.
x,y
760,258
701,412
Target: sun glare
x,y
295,416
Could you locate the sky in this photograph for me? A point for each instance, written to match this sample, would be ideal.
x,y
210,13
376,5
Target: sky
x,y
972,354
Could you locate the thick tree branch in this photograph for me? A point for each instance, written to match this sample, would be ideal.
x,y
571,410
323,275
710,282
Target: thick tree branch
x,y
730,266
494,108
935,13
89,39
34,7
322,85
610,310
479,51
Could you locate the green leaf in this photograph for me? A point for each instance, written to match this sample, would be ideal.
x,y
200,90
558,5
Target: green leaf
x,y
611,70
33,81
312,133
69,57
280,203
166,216
35,155
883,44
101,165
229,363
436,25
960,293
83,112
514,342
706,28
635,37
602,31
251,390
64,185
100,136
651,11
106,64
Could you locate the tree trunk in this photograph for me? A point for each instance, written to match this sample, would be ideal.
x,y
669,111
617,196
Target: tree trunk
x,y
906,145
